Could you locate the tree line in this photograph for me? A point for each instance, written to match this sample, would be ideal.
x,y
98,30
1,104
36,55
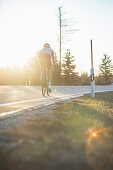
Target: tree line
x,y
30,73
65,71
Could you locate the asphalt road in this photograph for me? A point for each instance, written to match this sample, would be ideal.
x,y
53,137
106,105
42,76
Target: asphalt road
x,y
17,98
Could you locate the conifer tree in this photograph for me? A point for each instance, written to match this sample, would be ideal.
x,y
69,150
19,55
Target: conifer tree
x,y
106,68
69,66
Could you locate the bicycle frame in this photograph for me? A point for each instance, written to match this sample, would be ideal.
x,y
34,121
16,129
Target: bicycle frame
x,y
45,83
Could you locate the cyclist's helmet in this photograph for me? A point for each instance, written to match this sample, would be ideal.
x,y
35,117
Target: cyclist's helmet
x,y
47,45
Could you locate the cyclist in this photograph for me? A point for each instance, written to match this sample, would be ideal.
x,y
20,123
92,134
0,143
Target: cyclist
x,y
46,58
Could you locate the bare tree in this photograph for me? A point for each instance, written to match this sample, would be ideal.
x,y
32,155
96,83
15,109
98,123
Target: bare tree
x,y
65,28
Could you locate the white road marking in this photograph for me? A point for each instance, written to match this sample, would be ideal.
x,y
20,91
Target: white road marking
x,y
32,100
19,102
38,105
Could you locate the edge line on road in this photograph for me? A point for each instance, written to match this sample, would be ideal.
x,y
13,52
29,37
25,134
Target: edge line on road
x,y
19,111
31,100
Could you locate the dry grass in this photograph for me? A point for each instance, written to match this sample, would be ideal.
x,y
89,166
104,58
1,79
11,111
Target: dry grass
x,y
78,135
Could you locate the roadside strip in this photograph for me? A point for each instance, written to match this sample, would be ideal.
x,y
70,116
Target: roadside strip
x,y
51,100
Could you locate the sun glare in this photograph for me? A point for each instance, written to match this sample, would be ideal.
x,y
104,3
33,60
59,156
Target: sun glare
x,y
94,134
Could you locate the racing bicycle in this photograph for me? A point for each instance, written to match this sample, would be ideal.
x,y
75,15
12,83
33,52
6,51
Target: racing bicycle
x,y
45,83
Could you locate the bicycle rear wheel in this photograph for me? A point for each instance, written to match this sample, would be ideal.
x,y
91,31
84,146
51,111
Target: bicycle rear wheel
x,y
43,91
44,86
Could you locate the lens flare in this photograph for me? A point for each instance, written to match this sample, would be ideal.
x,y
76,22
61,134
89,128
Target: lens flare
x,y
99,147
94,134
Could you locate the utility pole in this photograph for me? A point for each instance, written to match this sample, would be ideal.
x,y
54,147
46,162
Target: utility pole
x,y
60,21
92,74
65,29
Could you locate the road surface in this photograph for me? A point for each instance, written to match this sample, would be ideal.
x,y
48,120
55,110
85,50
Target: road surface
x,y
14,99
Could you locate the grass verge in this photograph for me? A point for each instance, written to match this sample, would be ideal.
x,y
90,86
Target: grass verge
x,y
78,135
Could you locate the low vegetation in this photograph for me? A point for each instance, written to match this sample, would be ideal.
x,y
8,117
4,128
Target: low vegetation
x,y
30,72
77,134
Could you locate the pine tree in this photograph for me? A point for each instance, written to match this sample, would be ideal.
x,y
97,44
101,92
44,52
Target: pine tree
x,y
69,67
106,68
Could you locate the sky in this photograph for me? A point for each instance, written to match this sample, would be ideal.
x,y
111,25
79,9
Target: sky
x,y
25,25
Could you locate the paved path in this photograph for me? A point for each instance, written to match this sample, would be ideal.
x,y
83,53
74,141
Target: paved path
x,y
14,99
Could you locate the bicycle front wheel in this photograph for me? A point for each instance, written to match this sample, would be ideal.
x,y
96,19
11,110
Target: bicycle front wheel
x,y
44,85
